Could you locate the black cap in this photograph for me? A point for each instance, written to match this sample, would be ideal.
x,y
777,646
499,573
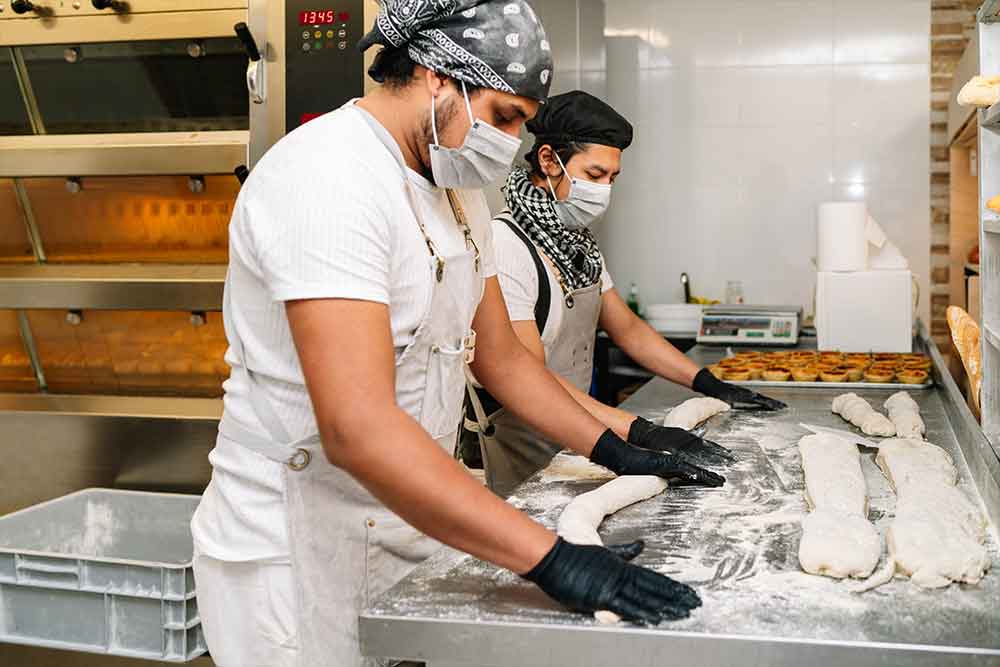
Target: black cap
x,y
580,117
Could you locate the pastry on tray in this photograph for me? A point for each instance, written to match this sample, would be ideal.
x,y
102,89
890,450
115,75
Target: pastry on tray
x,y
880,375
912,376
805,374
833,375
717,371
777,374
854,373
756,369
736,374
732,362
922,364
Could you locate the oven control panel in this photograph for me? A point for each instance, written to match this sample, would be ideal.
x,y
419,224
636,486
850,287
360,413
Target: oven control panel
x,y
323,67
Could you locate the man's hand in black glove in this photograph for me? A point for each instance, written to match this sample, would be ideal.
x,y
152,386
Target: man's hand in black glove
x,y
622,458
644,433
590,579
708,384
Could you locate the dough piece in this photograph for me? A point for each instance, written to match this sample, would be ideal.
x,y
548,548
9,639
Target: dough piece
x,y
905,416
579,521
907,462
856,410
834,480
980,91
838,545
837,539
937,537
938,534
694,411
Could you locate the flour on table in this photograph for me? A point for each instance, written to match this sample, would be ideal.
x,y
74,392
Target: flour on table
x,y
856,410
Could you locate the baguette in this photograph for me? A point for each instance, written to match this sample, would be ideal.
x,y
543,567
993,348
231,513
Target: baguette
x,y
965,334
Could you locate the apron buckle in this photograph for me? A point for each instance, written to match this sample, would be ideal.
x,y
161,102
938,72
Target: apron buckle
x,y
300,460
469,343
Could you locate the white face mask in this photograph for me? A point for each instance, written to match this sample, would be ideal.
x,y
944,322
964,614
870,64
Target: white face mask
x,y
586,202
485,155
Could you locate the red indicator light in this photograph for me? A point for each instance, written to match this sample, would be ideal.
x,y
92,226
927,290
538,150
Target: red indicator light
x,y
344,17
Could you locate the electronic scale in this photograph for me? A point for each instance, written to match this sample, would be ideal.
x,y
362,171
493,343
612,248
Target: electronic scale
x,y
750,325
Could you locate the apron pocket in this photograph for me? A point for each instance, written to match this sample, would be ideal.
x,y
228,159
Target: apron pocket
x,y
392,548
441,409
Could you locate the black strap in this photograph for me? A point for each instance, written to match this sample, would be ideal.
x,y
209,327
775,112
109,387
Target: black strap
x,y
542,304
544,300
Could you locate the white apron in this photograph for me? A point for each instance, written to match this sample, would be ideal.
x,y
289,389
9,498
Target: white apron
x,y
513,451
346,547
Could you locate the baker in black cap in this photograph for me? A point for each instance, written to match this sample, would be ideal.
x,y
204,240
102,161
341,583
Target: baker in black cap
x,y
558,291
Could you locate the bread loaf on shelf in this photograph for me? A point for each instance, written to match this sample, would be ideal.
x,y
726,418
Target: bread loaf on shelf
x,y
980,91
965,334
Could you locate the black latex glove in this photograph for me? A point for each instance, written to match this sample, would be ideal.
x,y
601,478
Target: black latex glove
x,y
644,433
622,458
590,578
708,384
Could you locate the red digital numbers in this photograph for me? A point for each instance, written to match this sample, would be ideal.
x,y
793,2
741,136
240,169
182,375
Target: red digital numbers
x,y
317,17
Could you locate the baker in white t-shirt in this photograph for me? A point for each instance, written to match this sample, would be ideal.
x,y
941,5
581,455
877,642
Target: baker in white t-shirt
x,y
361,283
558,291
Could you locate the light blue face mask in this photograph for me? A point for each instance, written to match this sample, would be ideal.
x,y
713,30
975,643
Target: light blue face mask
x,y
587,201
485,155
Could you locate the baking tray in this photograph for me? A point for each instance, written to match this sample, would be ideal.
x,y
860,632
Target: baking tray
x,y
833,385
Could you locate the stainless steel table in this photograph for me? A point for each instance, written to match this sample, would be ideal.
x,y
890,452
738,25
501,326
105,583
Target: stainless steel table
x,y
737,545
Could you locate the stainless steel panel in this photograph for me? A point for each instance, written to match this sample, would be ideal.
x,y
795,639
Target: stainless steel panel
x,y
138,154
737,545
131,352
15,246
147,86
195,287
134,219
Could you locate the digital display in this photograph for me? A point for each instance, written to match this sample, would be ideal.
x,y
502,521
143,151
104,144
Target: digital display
x,y
317,17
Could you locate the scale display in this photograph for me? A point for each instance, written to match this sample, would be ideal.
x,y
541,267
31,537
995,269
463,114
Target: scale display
x,y
750,325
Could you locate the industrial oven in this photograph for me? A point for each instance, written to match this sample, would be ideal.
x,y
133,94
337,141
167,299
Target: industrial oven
x,y
123,126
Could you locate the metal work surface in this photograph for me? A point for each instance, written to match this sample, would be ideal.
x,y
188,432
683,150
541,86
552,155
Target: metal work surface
x,y
737,545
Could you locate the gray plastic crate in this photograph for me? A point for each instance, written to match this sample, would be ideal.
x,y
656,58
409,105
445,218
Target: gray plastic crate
x,y
103,571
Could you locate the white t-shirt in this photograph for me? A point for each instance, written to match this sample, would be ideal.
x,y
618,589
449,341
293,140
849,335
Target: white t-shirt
x,y
518,279
323,215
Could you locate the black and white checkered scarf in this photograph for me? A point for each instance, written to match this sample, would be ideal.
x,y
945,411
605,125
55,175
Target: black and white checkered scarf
x,y
574,252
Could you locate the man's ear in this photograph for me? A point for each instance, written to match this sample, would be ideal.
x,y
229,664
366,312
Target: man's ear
x,y
435,82
547,161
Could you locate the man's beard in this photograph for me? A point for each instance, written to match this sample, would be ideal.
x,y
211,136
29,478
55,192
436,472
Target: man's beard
x,y
445,114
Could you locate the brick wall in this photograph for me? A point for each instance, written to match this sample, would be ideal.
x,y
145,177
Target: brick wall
x,y
952,24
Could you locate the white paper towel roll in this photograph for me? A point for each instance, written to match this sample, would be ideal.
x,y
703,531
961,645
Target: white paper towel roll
x,y
842,241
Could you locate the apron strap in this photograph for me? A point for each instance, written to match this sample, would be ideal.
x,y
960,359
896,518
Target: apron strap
x,y
544,290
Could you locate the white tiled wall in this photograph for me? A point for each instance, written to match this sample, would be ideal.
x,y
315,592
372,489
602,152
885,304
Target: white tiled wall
x,y
747,114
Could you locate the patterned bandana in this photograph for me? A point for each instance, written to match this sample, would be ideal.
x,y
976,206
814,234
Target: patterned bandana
x,y
574,252
498,44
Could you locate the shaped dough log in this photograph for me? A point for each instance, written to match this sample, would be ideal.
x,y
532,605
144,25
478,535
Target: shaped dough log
x,y
905,416
856,410
838,545
579,521
837,539
906,461
937,535
694,411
